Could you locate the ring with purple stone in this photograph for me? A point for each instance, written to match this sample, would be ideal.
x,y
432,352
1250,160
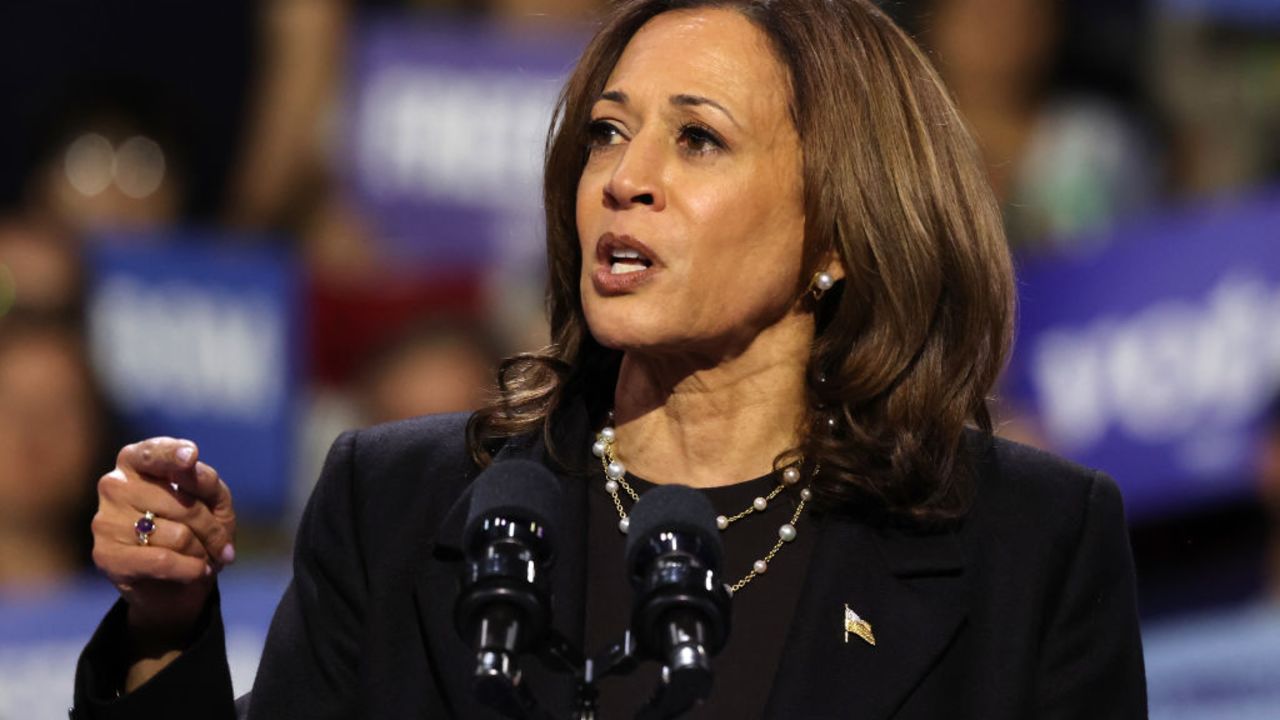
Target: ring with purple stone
x,y
144,527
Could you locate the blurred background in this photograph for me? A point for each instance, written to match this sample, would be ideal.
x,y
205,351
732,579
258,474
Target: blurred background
x,y
256,223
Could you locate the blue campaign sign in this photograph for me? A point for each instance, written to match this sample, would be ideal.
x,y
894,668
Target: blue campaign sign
x,y
41,636
445,126
196,337
1154,358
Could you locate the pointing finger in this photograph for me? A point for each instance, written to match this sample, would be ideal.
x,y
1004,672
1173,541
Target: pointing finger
x,y
175,461
162,458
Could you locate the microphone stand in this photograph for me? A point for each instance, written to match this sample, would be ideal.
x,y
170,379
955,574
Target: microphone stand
x,y
683,684
618,659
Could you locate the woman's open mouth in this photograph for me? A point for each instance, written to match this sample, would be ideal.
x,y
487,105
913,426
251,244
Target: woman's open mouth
x,y
623,263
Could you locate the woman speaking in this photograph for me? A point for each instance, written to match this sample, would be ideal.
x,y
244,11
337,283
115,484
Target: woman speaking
x,y
777,275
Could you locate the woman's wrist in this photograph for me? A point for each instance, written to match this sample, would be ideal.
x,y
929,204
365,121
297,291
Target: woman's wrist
x,y
144,668
153,643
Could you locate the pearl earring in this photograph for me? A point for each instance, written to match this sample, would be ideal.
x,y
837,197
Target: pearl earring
x,y
822,282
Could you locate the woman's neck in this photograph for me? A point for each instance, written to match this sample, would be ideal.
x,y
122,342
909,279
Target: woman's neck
x,y
708,424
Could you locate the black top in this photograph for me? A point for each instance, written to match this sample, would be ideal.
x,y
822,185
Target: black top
x,y
761,611
1024,610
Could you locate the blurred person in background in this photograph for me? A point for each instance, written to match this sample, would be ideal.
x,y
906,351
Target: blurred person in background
x,y
1061,164
110,161
432,367
53,432
283,170
51,408
1218,80
180,68
40,269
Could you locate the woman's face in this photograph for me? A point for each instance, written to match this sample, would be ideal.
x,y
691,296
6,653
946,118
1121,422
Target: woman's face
x,y
48,428
690,207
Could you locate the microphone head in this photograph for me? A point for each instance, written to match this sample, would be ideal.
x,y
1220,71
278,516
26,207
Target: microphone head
x,y
674,508
515,489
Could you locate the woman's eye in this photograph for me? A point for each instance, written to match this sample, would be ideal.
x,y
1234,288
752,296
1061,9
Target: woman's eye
x,y
699,140
602,133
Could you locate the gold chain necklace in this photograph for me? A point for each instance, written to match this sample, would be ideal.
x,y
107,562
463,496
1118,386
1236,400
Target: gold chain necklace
x,y
615,474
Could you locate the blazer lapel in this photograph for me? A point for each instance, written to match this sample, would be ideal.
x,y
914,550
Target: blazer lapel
x,y
823,672
436,590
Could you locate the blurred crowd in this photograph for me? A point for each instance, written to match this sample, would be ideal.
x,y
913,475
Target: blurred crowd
x,y
152,116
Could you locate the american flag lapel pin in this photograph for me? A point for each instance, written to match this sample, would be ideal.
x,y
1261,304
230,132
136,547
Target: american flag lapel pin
x,y
857,626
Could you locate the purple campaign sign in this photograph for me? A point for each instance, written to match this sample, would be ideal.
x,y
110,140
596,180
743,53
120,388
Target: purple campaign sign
x,y
445,126
1154,358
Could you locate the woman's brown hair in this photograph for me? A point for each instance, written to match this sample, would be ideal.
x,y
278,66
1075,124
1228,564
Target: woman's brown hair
x,y
908,345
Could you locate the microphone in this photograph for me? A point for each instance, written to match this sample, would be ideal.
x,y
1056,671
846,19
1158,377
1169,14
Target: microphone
x,y
681,611
504,608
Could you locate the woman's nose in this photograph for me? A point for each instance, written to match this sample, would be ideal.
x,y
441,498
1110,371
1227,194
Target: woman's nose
x,y
636,179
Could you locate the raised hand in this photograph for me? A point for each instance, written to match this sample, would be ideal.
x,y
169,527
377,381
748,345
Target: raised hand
x,y
164,563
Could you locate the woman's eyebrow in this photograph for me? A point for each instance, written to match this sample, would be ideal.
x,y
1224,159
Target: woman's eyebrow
x,y
682,99
686,100
616,96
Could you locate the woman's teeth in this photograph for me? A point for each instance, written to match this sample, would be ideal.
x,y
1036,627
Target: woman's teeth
x,y
627,261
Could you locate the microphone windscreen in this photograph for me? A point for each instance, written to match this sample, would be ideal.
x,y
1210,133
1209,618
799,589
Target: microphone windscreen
x,y
520,489
674,507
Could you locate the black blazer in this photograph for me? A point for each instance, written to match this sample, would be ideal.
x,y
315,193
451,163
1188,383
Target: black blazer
x,y
1025,611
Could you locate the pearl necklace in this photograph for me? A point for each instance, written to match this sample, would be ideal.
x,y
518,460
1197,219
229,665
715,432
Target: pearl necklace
x,y
615,479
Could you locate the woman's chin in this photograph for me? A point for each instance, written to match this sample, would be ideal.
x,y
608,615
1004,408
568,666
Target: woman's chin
x,y
626,341
629,332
